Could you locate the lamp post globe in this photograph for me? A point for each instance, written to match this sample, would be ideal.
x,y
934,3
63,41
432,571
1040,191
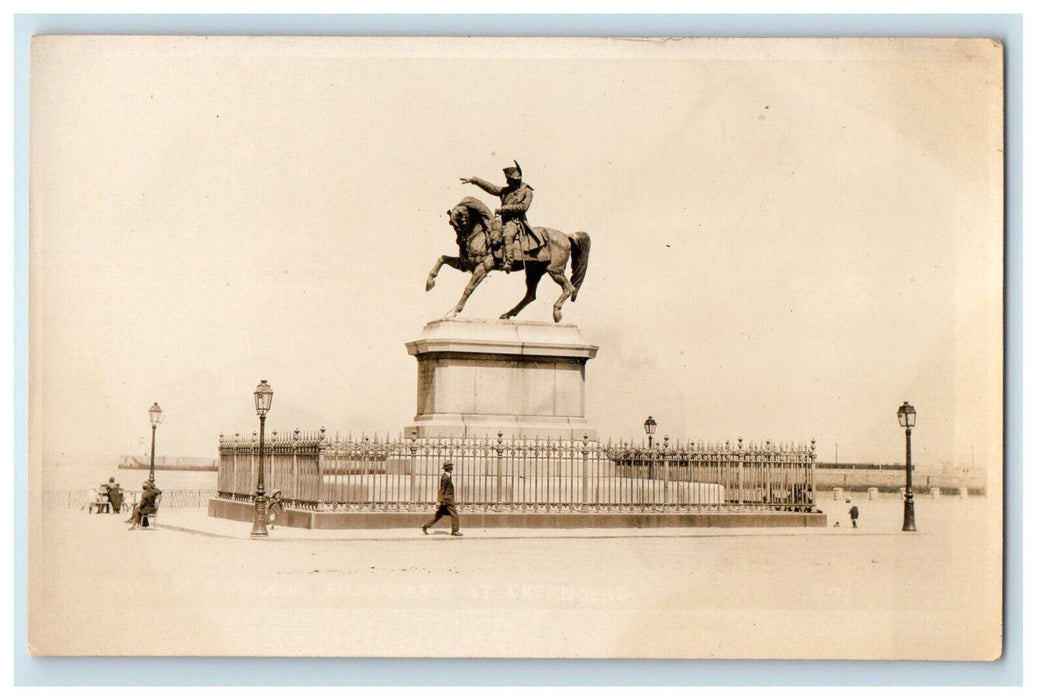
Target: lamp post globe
x,y
155,417
650,429
262,402
907,416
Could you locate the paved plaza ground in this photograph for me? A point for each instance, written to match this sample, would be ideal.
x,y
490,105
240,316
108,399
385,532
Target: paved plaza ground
x,y
197,585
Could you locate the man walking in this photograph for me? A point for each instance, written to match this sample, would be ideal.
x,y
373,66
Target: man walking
x,y
447,503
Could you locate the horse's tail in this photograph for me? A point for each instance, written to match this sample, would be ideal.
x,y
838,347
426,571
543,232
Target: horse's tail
x,y
580,250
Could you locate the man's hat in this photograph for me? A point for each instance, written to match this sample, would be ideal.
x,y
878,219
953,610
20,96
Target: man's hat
x,y
513,171
146,484
447,465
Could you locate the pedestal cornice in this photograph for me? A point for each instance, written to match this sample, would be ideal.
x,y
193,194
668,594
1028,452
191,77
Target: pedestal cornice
x,y
517,338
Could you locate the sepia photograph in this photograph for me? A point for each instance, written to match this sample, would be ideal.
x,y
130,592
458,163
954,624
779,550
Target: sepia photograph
x,y
516,348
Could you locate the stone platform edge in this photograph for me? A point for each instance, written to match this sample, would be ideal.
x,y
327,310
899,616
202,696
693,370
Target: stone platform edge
x,y
479,338
326,520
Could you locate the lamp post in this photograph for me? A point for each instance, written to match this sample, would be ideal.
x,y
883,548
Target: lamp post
x,y
262,402
907,419
650,430
155,417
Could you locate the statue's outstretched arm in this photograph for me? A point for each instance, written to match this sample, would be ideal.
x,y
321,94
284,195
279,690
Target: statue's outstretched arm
x,y
487,186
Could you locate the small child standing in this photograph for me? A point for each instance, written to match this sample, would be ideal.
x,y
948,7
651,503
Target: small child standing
x,y
853,513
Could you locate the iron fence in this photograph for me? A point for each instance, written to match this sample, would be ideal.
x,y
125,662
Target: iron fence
x,y
313,471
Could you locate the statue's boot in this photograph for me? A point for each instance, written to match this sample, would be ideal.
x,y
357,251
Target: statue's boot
x,y
508,260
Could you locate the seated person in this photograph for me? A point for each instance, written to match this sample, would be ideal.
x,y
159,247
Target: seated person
x,y
101,500
146,507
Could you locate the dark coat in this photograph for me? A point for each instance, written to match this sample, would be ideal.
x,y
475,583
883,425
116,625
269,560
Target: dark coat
x,y
115,496
446,495
148,500
514,203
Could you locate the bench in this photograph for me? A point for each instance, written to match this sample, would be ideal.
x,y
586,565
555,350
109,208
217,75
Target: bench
x,y
98,506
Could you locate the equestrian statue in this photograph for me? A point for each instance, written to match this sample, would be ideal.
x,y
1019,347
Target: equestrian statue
x,y
504,240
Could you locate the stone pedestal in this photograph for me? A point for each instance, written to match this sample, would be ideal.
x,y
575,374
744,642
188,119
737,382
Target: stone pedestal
x,y
476,378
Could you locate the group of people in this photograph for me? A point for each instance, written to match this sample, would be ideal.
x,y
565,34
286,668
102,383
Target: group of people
x,y
147,505
149,502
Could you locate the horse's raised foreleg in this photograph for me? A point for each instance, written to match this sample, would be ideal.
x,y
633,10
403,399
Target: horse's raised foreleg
x,y
567,291
533,275
476,277
443,260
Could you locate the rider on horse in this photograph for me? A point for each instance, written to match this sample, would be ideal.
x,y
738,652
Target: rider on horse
x,y
511,226
479,246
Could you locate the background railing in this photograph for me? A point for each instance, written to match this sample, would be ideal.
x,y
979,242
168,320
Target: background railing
x,y
174,498
314,471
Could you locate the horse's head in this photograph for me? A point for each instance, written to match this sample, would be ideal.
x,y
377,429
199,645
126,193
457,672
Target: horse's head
x,y
469,213
471,219
459,216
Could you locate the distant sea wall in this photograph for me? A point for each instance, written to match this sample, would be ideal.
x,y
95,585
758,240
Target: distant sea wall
x,y
181,464
890,479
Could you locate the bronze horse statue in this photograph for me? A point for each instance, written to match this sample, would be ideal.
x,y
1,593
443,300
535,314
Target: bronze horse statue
x,y
480,253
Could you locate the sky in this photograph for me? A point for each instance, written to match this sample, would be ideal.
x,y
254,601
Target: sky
x,y
789,238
